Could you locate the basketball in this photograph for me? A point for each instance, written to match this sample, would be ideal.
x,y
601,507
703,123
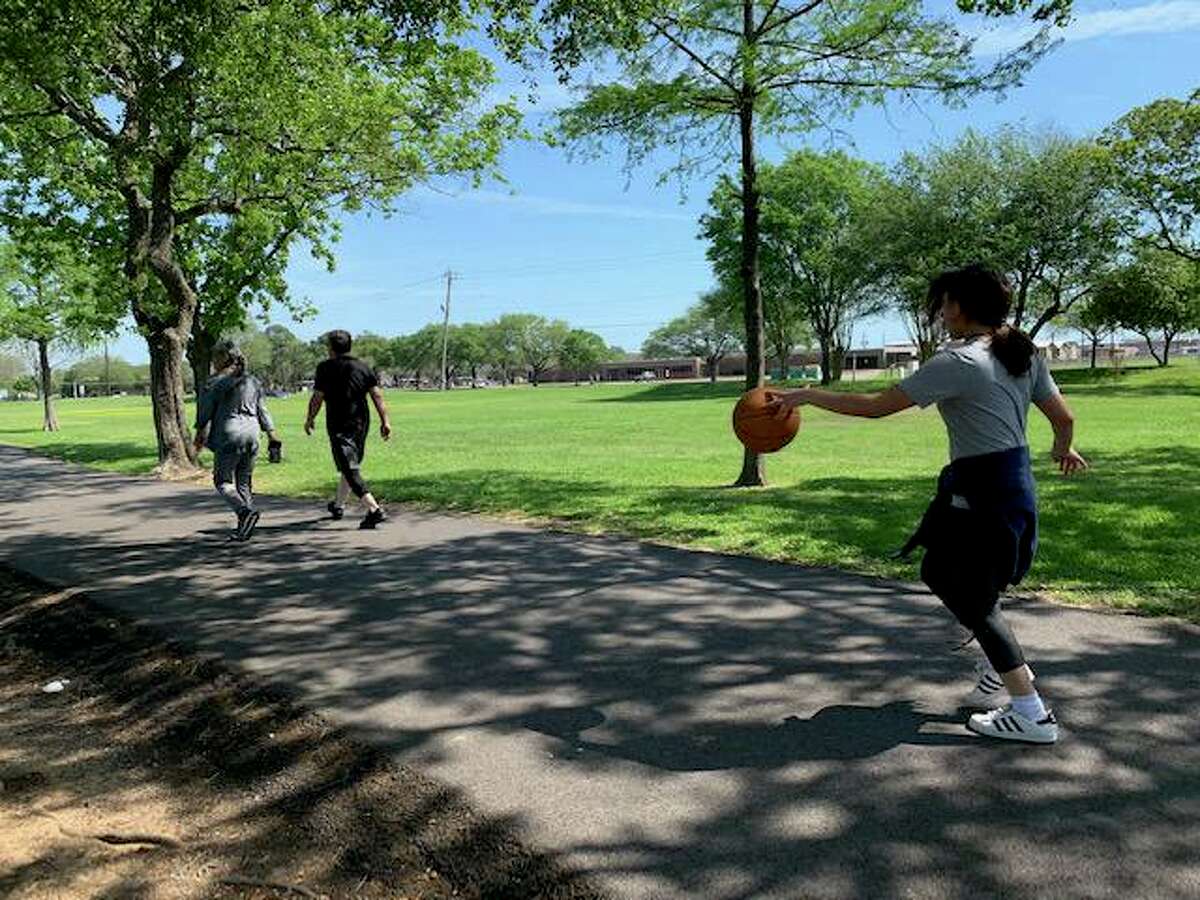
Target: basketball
x,y
757,428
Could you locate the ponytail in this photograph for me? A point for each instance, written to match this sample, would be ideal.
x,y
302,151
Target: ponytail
x,y
1014,348
984,296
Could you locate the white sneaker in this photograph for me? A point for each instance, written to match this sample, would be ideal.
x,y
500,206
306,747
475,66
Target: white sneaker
x,y
989,692
1007,724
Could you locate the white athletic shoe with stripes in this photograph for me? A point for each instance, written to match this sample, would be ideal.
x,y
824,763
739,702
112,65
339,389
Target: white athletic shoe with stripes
x,y
1007,724
989,692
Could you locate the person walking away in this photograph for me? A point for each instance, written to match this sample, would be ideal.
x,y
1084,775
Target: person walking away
x,y
980,532
230,414
343,384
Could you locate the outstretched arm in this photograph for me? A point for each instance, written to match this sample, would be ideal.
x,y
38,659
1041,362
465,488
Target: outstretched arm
x,y
869,406
385,424
1055,409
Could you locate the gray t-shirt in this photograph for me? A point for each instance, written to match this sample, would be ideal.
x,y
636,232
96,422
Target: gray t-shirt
x,y
984,407
233,404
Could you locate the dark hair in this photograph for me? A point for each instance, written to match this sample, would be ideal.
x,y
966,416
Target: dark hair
x,y
984,297
339,341
229,350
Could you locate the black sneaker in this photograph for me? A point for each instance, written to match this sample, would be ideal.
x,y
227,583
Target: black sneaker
x,y
247,522
371,519
236,534
335,512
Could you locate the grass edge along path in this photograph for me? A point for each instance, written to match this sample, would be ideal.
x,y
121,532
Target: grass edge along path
x,y
651,463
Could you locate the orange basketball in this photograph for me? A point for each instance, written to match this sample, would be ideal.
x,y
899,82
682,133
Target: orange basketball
x,y
757,428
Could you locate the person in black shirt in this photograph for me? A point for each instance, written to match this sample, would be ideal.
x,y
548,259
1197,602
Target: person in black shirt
x,y
343,384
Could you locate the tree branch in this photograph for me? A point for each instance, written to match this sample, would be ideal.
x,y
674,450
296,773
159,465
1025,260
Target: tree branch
x,y
230,206
83,117
32,114
788,18
695,57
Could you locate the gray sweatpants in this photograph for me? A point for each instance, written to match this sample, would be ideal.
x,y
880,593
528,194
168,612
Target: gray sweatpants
x,y
233,475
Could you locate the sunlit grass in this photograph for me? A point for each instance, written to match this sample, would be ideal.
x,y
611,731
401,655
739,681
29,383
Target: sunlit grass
x,y
654,462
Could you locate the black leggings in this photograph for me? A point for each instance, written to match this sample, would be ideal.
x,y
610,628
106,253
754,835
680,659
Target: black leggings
x,y
995,635
964,580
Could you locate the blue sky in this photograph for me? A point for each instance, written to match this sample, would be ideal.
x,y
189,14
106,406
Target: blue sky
x,y
579,240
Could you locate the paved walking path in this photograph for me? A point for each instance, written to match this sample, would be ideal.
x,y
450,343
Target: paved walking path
x,y
682,725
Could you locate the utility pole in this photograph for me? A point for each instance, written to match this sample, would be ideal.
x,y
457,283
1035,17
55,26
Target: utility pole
x,y
446,332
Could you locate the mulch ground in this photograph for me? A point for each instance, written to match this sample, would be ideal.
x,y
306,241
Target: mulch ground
x,y
160,773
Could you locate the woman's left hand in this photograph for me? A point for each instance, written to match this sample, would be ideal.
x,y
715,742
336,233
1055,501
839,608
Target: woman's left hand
x,y
1070,462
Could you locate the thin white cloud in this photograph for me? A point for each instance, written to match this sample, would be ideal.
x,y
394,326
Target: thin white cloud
x,y
1167,16
551,206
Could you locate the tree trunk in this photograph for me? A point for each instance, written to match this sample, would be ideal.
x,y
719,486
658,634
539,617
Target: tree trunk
x,y
753,472
826,361
200,352
49,420
1095,344
1167,338
712,370
1150,346
837,362
166,394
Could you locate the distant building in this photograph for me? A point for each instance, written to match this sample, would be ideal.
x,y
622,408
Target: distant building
x,y
1067,351
642,370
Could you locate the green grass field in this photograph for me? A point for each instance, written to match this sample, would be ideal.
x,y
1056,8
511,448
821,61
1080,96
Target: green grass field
x,y
652,462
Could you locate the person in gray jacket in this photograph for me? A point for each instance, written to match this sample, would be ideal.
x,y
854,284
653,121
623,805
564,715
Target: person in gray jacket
x,y
229,416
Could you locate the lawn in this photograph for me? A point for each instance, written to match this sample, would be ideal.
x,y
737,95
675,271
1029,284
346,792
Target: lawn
x,y
652,462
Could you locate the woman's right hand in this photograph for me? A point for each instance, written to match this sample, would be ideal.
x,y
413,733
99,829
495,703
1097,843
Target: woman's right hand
x,y
781,403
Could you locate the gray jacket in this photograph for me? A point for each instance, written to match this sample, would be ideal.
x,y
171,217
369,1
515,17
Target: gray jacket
x,y
233,405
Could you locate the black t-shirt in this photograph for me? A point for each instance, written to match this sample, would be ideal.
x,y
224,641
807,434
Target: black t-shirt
x,y
345,381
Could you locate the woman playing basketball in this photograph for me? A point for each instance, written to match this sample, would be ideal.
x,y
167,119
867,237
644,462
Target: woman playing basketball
x,y
980,531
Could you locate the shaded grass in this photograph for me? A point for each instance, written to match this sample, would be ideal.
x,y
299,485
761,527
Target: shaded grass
x,y
652,462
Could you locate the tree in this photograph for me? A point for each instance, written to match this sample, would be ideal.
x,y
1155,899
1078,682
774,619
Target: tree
x,y
155,115
816,225
110,371
49,297
419,354
582,352
1060,225
1156,149
373,349
12,367
242,263
705,77
537,341
1093,319
1156,294
468,349
927,219
709,329
1038,207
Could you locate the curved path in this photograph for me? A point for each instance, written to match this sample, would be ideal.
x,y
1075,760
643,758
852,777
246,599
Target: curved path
x,y
680,724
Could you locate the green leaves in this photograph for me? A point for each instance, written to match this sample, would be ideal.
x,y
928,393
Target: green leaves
x,y
1155,292
1156,151
709,329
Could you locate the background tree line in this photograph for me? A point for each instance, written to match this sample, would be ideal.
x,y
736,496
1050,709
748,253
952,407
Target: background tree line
x,y
188,148
1091,234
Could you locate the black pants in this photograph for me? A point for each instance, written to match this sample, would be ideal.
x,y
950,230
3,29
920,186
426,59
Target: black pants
x,y
960,569
349,449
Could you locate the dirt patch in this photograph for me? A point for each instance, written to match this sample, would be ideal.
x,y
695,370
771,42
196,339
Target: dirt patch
x,y
157,773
